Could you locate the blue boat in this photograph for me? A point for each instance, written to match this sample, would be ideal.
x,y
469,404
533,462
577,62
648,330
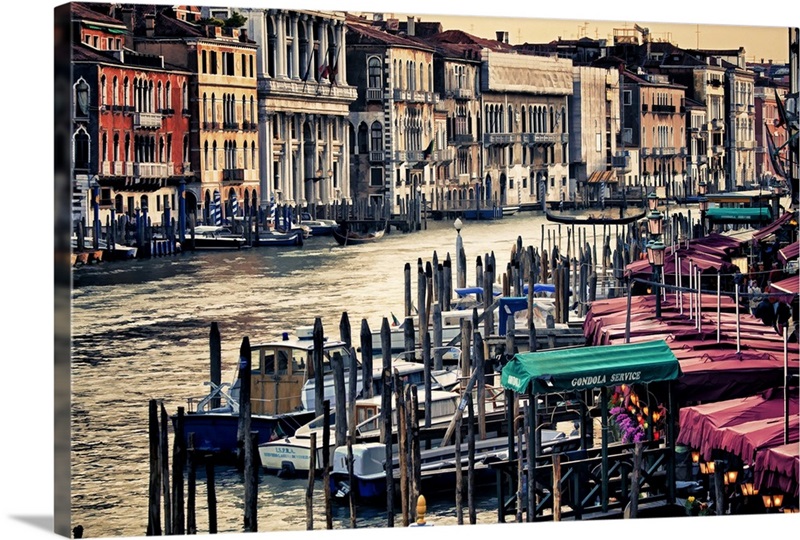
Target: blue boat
x,y
282,395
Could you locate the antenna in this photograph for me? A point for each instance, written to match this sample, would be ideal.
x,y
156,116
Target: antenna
x,y
698,37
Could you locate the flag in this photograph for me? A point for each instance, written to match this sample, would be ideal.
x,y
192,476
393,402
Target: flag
x,y
774,156
429,150
781,111
324,71
395,322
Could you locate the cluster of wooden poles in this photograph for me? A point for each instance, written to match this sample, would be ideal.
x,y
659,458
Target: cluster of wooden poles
x,y
536,265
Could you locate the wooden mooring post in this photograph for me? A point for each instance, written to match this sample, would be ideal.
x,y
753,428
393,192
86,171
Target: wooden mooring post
x,y
164,462
211,494
216,361
326,465
366,359
312,469
191,486
154,508
179,458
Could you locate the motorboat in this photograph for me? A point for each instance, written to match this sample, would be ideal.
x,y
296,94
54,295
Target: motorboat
x,y
437,465
208,237
319,227
283,392
291,455
292,237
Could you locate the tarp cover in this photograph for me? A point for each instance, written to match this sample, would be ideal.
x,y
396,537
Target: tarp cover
x,y
591,367
739,214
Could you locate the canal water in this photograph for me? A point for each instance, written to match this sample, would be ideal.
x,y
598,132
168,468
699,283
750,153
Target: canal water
x,y
140,331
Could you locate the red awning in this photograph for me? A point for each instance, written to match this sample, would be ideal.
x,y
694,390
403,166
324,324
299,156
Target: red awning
x,y
602,176
789,253
772,227
702,426
778,467
745,439
790,285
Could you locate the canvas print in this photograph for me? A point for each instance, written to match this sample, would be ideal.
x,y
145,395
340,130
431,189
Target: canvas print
x,y
331,269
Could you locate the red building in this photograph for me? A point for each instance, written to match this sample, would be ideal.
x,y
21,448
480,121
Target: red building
x,y
766,124
130,122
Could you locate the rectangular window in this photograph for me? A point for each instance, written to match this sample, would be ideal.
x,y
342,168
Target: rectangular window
x,y
552,181
598,138
158,204
563,180
376,177
627,135
626,97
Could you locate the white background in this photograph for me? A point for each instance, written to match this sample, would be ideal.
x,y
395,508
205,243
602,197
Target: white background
x,y
26,484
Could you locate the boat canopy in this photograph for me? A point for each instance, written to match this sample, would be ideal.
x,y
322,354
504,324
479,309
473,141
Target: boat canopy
x,y
590,367
740,215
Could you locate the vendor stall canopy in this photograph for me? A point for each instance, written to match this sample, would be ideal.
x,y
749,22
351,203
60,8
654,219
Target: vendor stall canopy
x,y
590,367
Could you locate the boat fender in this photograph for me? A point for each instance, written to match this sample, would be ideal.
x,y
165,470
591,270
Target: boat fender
x,y
287,469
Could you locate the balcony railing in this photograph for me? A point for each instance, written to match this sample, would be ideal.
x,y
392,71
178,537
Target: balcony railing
x,y
376,156
501,138
664,109
645,151
274,87
187,168
463,138
147,120
374,94
716,123
463,93
399,95
232,177
544,138
231,126
151,170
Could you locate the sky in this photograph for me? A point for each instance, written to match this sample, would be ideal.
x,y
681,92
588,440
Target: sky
x,y
27,210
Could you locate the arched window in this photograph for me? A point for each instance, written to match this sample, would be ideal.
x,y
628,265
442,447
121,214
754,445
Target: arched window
x,y
206,162
104,147
159,98
376,137
186,149
185,97
375,73
115,149
81,149
126,93
103,91
253,154
214,156
205,108
81,89
362,138
245,156
205,62
168,96
114,91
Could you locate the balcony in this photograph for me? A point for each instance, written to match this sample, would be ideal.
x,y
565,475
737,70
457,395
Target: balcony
x,y
145,120
376,156
463,93
501,138
621,162
540,138
702,160
284,88
717,150
232,177
645,151
374,94
463,138
399,95
151,170
440,106
663,109
717,124
230,126
409,156
187,168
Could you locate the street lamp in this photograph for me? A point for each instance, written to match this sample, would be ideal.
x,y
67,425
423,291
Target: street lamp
x,y
702,186
655,255
652,201
703,203
655,224
461,276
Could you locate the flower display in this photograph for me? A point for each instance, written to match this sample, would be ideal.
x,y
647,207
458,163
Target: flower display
x,y
633,417
695,508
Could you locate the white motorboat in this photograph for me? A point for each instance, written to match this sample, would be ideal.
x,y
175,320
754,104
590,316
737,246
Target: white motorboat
x,y
292,454
214,237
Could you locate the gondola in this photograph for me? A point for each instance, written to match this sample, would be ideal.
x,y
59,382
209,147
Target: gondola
x,y
592,220
369,231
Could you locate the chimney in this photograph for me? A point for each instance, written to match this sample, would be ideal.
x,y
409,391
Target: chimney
x,y
127,20
502,36
243,35
150,24
411,26
377,17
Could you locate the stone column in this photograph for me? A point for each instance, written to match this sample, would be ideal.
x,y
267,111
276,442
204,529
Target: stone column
x,y
295,59
280,45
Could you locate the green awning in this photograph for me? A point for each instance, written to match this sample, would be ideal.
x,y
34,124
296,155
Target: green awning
x,y
741,215
591,367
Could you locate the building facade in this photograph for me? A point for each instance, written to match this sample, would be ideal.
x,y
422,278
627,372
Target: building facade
x,y
525,129
303,103
131,124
